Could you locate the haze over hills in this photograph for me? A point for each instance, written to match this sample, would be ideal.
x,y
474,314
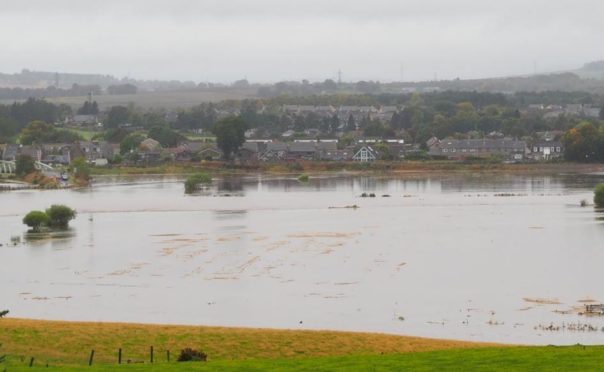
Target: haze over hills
x,y
55,85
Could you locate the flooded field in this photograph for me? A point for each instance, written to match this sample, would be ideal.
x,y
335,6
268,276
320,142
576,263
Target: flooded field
x,y
500,258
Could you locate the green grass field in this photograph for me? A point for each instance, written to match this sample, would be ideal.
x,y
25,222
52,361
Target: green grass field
x,y
574,358
66,346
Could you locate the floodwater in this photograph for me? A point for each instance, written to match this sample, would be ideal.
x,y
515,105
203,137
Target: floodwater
x,y
486,258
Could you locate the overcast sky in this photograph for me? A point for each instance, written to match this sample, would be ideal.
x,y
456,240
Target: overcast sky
x,y
273,40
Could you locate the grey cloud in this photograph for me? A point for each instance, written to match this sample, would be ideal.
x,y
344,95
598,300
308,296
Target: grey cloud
x,y
270,40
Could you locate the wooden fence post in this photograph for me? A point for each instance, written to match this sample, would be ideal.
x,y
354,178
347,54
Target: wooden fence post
x,y
151,350
119,356
168,355
31,362
91,357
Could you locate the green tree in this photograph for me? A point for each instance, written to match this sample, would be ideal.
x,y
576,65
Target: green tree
x,y
81,169
599,195
583,143
130,143
36,220
41,132
60,215
384,151
230,135
165,136
8,129
351,124
24,165
36,132
117,115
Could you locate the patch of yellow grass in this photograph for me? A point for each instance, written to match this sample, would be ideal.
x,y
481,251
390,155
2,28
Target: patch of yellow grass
x,y
67,343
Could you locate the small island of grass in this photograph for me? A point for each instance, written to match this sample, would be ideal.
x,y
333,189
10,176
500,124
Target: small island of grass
x,y
193,182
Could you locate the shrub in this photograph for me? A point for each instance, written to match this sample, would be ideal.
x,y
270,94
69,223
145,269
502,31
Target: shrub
x,y
190,355
195,180
60,215
36,219
81,169
599,195
303,178
24,165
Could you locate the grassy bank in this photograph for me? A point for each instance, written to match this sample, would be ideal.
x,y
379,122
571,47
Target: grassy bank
x,y
66,346
68,343
381,167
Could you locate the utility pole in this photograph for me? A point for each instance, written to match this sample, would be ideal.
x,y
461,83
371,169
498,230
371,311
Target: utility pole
x,y
339,76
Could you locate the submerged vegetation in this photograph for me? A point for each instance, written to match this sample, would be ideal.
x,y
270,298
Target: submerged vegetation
x,y
303,178
55,217
193,181
599,195
36,220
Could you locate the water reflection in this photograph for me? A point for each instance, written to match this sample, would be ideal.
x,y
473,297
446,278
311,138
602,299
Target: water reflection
x,y
58,239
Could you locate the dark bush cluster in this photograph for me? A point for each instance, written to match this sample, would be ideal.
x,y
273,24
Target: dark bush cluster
x,y
190,355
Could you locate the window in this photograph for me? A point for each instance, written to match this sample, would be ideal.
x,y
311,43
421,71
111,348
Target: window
x,y
558,149
445,150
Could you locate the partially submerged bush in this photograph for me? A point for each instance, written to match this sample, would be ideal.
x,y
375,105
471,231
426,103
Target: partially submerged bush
x,y
57,216
193,181
599,195
60,215
303,178
36,220
190,355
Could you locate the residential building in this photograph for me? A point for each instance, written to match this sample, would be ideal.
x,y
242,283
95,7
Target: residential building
x,y
508,149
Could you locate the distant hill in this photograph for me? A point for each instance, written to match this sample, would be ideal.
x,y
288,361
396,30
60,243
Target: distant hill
x,y
43,84
44,79
591,70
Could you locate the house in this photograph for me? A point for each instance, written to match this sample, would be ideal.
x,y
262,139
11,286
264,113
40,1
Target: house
x,y
274,151
250,151
85,120
458,149
93,150
33,152
365,154
302,151
326,150
210,152
546,150
338,155
56,154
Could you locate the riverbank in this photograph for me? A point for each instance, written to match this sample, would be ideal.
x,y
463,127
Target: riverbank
x,y
66,346
380,167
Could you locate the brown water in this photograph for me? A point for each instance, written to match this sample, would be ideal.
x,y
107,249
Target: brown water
x,y
467,257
